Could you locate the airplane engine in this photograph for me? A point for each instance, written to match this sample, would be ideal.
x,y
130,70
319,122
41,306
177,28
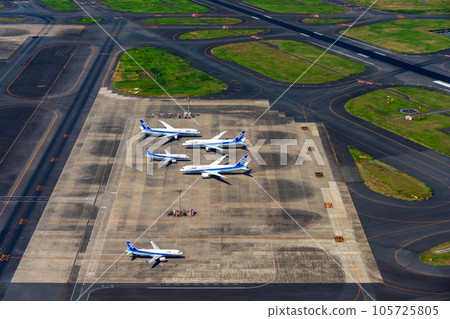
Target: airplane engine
x,y
162,259
207,148
174,161
205,175
176,137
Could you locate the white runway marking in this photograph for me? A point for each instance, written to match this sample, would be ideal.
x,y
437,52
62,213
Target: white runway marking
x,y
442,83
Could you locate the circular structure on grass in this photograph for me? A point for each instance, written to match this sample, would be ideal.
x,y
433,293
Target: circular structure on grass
x,y
409,111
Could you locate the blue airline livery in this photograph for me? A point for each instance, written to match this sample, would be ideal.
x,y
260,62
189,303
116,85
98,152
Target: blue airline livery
x,y
167,158
214,169
169,131
216,143
157,253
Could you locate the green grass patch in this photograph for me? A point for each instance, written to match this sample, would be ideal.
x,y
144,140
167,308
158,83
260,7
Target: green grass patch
x,y
169,70
87,20
427,131
9,20
159,6
442,259
211,34
407,36
60,5
409,6
294,6
324,21
387,180
284,60
194,21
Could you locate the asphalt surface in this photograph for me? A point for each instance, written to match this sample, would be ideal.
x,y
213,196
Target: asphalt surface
x,y
52,113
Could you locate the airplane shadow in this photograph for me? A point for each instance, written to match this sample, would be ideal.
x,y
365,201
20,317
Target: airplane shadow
x,y
248,173
133,257
221,180
169,140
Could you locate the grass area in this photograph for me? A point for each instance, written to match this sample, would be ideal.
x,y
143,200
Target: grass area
x,y
407,36
442,259
427,131
169,70
294,6
211,34
194,21
9,20
159,6
60,5
409,6
387,180
87,20
325,21
271,61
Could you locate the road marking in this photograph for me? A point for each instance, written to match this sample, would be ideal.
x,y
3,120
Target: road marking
x,y
268,17
363,55
252,7
304,35
318,33
353,57
348,38
379,53
442,83
255,17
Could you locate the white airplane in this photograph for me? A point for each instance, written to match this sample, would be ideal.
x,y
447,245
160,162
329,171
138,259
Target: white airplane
x,y
214,169
157,253
167,158
216,143
169,131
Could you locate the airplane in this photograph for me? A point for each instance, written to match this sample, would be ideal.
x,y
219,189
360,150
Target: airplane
x,y
215,143
158,254
167,158
169,131
214,169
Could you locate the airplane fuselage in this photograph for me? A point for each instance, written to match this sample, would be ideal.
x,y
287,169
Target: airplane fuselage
x,y
212,143
198,169
156,252
164,131
176,157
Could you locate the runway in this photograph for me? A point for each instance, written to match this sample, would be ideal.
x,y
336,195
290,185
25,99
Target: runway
x,y
48,117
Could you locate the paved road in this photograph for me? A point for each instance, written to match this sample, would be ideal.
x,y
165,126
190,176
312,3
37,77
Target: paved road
x,y
397,231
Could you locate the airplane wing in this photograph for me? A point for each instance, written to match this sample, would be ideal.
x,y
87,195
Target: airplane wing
x,y
212,147
171,135
216,174
167,126
153,244
166,161
217,161
153,259
218,135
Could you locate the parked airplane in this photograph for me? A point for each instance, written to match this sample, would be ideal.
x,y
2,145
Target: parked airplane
x,y
169,131
214,169
167,158
216,143
157,253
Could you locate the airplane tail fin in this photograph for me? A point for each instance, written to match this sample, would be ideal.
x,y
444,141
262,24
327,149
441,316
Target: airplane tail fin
x,y
240,137
131,246
242,162
144,125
